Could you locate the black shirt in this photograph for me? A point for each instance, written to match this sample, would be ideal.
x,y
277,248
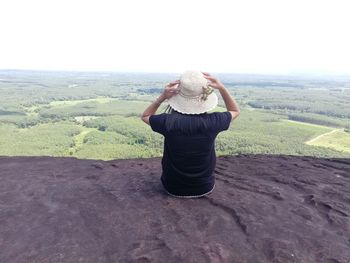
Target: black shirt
x,y
189,160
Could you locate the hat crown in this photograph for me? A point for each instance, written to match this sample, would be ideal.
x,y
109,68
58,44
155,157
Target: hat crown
x,y
192,83
195,96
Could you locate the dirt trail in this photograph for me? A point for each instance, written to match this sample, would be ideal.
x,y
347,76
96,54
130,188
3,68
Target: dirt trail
x,y
319,136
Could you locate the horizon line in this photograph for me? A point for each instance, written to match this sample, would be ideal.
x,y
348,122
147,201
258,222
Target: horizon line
x,y
292,73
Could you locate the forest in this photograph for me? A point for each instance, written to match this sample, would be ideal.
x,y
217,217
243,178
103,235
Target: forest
x,y
96,115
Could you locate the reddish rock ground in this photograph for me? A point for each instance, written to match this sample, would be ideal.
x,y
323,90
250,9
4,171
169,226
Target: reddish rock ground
x,y
263,209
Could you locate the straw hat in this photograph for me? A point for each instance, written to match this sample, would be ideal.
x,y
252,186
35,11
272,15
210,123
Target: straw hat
x,y
195,96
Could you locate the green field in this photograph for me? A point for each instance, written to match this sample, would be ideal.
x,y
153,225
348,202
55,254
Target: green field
x,y
99,118
336,139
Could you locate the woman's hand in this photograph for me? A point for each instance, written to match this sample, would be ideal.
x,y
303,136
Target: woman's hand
x,y
214,82
171,89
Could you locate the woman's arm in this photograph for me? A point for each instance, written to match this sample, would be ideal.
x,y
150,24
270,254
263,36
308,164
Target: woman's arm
x,y
151,109
170,90
230,103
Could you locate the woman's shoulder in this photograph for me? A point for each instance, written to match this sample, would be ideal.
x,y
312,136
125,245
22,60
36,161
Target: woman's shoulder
x,y
219,114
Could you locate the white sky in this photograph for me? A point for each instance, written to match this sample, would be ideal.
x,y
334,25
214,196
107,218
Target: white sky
x,y
242,36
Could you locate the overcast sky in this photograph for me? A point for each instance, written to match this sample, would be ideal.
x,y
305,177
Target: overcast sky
x,y
242,36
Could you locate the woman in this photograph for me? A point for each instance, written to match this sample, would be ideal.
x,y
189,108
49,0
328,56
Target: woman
x,y
189,132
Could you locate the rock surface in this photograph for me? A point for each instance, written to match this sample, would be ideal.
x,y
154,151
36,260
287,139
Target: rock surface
x,y
263,209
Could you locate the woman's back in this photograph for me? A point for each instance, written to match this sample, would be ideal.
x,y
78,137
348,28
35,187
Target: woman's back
x,y
189,150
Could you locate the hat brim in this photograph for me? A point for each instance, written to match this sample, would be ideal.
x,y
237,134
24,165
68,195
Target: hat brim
x,y
193,105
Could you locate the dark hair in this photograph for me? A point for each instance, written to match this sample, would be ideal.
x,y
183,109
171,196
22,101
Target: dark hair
x,y
185,123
